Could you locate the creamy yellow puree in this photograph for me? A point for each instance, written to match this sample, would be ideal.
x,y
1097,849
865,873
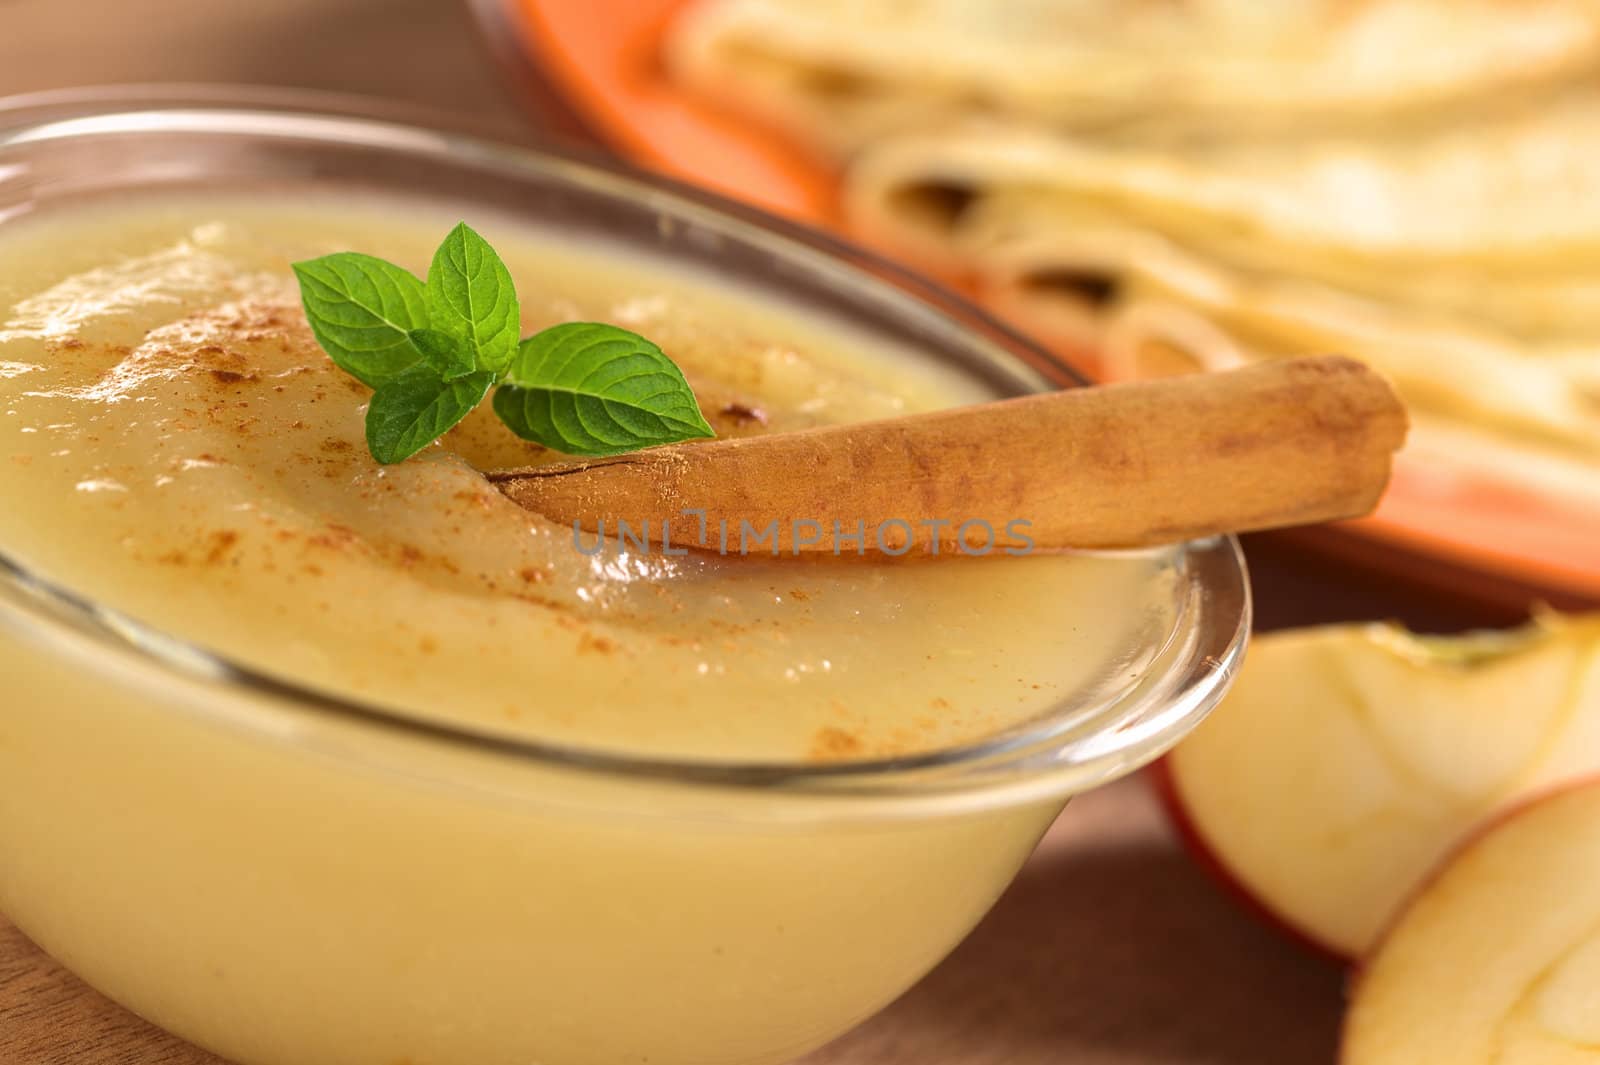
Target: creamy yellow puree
x,y
293,887
175,444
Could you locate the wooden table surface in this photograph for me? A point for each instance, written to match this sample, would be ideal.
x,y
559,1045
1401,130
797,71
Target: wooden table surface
x,y
1111,948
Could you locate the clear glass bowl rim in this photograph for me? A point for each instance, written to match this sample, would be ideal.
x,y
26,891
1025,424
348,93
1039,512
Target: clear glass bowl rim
x,y
1051,760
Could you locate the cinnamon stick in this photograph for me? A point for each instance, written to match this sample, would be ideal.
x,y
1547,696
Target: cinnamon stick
x,y
1122,465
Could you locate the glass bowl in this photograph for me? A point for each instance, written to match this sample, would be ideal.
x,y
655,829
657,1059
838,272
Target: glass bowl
x,y
287,878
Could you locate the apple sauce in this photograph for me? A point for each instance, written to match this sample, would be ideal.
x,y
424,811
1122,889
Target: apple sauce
x,y
190,457
292,887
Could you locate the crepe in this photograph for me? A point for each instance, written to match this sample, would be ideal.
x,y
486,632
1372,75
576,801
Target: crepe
x,y
839,74
1462,257
1171,185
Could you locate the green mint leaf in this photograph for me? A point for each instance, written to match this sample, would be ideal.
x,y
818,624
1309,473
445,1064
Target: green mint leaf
x,y
471,298
432,350
448,357
415,408
584,388
361,310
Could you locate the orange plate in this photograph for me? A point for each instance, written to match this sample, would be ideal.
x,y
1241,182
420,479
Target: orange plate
x,y
604,56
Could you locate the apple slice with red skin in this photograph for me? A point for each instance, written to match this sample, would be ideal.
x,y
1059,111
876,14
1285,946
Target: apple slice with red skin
x,y
1159,774
1496,959
1348,760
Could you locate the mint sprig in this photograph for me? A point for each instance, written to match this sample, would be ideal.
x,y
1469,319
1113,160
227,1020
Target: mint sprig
x,y
413,409
472,300
593,389
361,310
448,358
432,351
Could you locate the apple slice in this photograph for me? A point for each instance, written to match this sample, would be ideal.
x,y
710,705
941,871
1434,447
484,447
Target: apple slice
x,y
1348,760
1497,958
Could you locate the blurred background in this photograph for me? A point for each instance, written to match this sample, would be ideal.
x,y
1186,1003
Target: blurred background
x,y
424,51
969,138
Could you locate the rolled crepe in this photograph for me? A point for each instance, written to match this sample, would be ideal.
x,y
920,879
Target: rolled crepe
x,y
1462,258
840,74
1203,184
1152,338
1510,188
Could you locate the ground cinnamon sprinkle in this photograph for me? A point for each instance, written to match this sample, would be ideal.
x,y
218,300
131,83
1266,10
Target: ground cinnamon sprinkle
x,y
222,542
588,642
831,744
335,537
218,546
